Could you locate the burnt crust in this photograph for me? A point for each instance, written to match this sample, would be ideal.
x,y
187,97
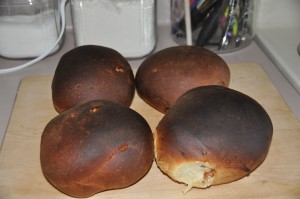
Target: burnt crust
x,y
90,73
94,147
167,74
222,127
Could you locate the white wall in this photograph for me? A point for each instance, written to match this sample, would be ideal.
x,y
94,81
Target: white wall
x,y
278,13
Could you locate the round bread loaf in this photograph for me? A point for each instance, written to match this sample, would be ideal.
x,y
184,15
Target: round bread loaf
x,y
212,135
167,74
90,73
96,146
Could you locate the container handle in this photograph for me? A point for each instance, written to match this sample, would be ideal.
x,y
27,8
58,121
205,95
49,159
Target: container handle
x,y
46,53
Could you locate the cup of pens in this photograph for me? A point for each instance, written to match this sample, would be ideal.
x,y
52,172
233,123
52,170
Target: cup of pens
x,y
219,25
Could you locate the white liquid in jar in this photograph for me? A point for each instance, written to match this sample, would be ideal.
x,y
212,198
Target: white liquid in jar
x,y
127,26
27,36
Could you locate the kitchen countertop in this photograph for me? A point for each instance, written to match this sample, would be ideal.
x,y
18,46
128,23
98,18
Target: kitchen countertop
x,y
252,53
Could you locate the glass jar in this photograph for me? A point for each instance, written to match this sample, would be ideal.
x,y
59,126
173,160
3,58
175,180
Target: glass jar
x,y
219,25
127,26
28,27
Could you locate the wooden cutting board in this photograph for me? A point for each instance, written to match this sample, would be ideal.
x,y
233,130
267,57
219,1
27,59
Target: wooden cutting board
x,y
277,177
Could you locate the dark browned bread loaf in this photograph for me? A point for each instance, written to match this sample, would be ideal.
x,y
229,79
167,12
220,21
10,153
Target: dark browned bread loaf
x,y
96,146
212,135
89,73
167,74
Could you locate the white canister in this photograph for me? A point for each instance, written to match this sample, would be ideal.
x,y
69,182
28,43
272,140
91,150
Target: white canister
x,y
127,26
28,27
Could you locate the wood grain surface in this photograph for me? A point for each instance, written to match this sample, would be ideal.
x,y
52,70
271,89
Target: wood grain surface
x,y
277,177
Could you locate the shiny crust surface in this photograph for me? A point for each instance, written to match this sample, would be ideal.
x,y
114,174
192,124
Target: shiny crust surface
x,y
222,127
168,73
90,73
95,147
